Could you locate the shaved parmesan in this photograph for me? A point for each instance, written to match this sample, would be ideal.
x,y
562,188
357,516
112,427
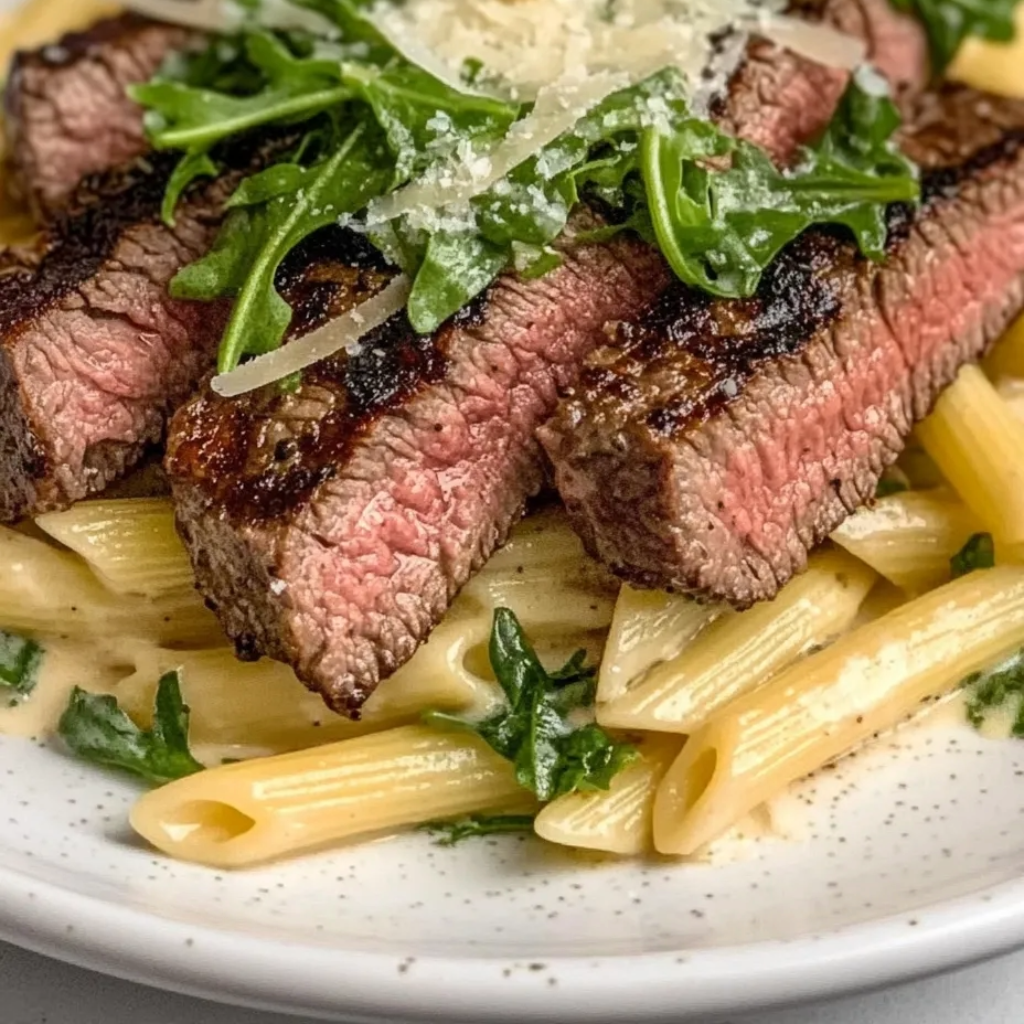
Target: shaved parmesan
x,y
530,43
226,16
821,43
340,335
557,110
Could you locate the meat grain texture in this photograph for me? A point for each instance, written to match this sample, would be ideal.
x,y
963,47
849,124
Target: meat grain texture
x,y
67,111
339,538
738,435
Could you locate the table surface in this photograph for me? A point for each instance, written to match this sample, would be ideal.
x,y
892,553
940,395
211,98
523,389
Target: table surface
x,y
34,990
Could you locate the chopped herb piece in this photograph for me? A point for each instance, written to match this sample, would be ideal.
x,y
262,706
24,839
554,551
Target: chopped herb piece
x,y
96,729
539,730
992,689
20,659
890,485
978,553
450,833
949,22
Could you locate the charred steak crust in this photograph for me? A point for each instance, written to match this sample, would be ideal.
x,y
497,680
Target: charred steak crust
x,y
711,445
331,527
67,112
359,506
94,355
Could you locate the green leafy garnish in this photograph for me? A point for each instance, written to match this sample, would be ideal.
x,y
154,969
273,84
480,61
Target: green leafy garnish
x,y
20,659
96,729
890,485
542,729
978,553
271,213
720,229
993,689
366,121
949,22
450,833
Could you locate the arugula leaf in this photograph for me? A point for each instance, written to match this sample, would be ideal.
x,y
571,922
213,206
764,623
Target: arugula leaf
x,y
451,833
423,118
538,729
515,222
949,22
96,729
20,659
293,88
978,553
271,214
720,229
993,688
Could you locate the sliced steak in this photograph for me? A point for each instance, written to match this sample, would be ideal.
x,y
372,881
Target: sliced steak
x,y
712,444
68,114
331,527
94,355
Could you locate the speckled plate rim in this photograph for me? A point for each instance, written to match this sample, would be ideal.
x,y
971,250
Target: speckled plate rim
x,y
332,983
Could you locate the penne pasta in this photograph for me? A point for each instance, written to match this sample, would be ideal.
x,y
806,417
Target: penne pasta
x,y
262,706
257,811
909,538
42,21
648,627
545,576
978,444
619,820
131,544
819,709
741,650
1006,360
48,592
991,66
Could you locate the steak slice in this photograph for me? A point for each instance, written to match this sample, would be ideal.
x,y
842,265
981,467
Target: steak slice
x,y
68,114
94,355
712,444
332,527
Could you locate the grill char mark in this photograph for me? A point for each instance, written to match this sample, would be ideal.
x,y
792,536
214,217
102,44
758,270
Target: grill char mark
x,y
702,441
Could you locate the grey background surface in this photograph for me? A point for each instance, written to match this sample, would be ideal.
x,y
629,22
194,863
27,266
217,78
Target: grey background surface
x,y
34,990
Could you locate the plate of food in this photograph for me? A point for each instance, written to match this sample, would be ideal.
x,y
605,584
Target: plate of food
x,y
512,510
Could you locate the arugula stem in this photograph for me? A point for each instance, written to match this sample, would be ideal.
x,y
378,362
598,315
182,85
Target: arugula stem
x,y
193,138
278,245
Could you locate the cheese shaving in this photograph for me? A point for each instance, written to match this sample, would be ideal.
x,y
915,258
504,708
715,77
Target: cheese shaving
x,y
530,43
452,184
225,16
342,334
821,43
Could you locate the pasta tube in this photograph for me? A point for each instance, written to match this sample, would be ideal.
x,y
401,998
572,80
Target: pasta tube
x,y
42,21
979,445
130,544
47,591
741,650
820,708
648,627
257,811
262,706
990,66
619,820
909,538
544,575
1006,360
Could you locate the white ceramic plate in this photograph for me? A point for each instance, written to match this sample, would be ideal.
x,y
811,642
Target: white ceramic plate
x,y
909,860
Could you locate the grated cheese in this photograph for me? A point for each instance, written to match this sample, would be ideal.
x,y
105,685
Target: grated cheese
x,y
527,44
342,334
453,183
226,16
